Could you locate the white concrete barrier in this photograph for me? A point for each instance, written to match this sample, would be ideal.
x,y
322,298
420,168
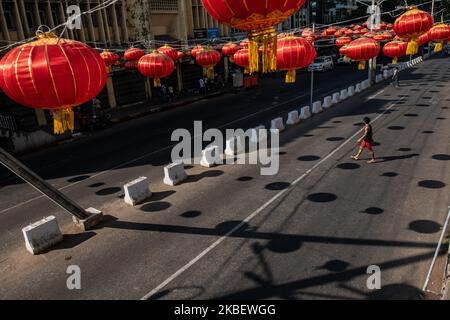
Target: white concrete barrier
x,y
317,107
327,102
336,97
293,118
343,95
351,91
305,112
277,124
137,191
365,84
174,173
210,156
41,235
378,78
358,88
258,133
234,146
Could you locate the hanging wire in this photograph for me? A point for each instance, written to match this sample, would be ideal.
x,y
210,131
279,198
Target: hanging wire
x,y
148,44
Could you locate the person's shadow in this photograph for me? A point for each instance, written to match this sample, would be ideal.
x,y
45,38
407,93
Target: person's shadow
x,y
393,158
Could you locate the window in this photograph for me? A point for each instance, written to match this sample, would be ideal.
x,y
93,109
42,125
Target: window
x,y
164,5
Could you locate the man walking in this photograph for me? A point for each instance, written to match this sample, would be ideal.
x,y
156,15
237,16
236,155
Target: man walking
x,y
366,141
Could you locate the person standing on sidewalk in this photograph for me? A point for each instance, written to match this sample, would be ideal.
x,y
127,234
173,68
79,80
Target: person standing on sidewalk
x,y
201,84
395,82
366,141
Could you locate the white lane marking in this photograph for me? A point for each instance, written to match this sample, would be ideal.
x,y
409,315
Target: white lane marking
x,y
256,212
376,94
444,229
150,154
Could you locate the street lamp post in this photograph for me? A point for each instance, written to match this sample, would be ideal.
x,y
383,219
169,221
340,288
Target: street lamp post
x,y
312,72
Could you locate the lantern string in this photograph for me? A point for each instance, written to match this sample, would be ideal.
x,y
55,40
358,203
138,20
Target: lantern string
x,y
221,40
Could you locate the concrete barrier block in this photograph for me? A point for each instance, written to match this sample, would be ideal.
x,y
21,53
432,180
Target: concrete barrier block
x,y
233,146
327,102
293,118
351,91
277,124
94,218
305,112
137,191
343,95
365,84
317,107
210,157
358,88
42,235
259,133
336,97
174,173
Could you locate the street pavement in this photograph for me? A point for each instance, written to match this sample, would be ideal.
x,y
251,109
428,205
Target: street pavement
x,y
309,232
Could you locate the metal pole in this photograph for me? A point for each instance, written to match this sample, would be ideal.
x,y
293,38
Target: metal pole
x,y
23,172
432,8
311,96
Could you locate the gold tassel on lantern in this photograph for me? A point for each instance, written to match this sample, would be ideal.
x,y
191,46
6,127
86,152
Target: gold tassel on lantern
x,y
246,70
438,47
253,52
346,59
157,82
394,60
362,65
273,51
210,72
290,76
63,120
413,47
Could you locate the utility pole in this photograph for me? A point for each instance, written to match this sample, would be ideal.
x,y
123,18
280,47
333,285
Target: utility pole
x,y
374,21
311,95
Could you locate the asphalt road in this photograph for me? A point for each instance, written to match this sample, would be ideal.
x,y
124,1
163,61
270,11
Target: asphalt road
x,y
309,232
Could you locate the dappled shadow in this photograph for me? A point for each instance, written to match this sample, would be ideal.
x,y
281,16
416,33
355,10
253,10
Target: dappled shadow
x,y
203,175
108,191
424,226
308,158
373,210
275,186
335,265
431,184
321,197
155,206
191,214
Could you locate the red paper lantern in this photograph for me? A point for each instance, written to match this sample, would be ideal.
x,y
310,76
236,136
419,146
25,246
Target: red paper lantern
x,y
208,58
348,32
294,53
241,58
343,41
55,74
133,54
156,65
307,32
169,51
379,37
424,39
439,33
131,65
361,50
196,50
180,55
412,24
109,58
310,39
330,31
394,50
258,18
230,49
